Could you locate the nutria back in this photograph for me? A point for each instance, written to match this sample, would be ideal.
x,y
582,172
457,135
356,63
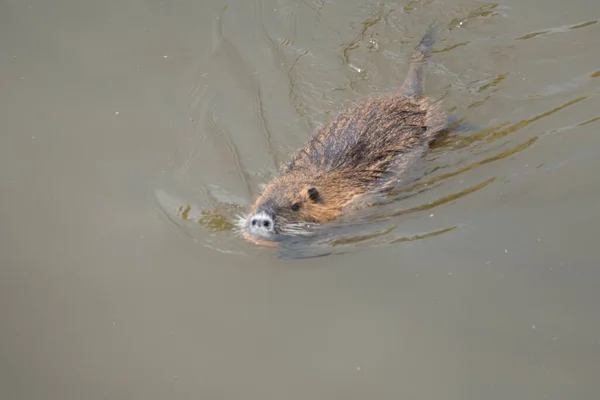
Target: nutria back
x,y
365,149
375,139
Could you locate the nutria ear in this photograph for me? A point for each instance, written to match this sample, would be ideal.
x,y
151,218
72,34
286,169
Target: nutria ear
x,y
313,194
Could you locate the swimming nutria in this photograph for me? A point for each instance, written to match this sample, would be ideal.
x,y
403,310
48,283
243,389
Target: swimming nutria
x,y
365,150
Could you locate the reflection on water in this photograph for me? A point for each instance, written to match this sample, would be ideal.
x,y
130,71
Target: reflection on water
x,y
380,224
559,29
220,218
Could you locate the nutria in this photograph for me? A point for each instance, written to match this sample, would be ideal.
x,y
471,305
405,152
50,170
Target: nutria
x,y
364,150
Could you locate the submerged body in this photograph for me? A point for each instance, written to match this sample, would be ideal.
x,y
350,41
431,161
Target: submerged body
x,y
365,150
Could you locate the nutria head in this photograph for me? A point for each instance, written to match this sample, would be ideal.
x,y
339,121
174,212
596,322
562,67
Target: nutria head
x,y
293,202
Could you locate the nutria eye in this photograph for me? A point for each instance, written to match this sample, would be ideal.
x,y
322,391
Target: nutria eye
x,y
313,194
295,207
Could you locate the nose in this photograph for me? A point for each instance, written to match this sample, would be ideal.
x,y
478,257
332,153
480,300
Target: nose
x,y
262,223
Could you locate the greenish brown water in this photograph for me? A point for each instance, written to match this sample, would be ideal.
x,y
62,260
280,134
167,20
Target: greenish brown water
x,y
133,133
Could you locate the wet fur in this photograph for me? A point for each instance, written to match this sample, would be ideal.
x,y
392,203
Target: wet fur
x,y
364,150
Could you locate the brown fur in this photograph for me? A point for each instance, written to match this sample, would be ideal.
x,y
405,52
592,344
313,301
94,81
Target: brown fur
x,y
365,150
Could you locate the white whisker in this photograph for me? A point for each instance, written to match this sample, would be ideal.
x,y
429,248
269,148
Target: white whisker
x,y
295,229
240,221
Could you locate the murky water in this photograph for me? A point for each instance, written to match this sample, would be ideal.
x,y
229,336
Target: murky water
x,y
133,132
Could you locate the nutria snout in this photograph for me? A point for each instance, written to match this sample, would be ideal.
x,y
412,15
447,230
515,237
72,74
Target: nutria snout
x,y
364,150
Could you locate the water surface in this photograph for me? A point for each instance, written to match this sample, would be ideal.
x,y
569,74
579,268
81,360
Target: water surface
x,y
132,133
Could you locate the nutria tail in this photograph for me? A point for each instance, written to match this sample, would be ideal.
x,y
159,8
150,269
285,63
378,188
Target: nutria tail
x,y
415,79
